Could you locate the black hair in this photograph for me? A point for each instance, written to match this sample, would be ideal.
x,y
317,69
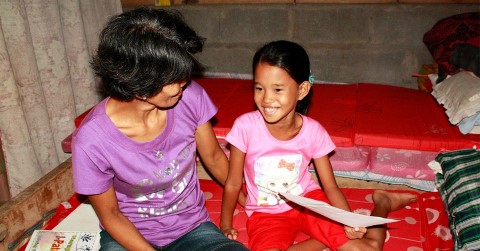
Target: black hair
x,y
292,58
142,50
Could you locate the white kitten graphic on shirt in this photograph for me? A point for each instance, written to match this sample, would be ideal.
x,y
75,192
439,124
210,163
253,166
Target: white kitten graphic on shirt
x,y
277,174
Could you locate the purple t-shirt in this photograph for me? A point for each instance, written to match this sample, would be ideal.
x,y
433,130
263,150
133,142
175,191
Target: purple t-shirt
x,y
155,182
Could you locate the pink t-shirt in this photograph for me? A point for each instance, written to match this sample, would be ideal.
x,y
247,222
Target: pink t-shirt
x,y
274,165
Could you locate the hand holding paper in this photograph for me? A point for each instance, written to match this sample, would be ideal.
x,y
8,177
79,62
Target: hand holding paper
x,y
336,214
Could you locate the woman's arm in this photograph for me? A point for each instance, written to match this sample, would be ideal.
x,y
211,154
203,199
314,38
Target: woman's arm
x,y
115,223
231,190
213,156
211,153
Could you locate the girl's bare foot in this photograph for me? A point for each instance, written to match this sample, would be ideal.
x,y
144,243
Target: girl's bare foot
x,y
393,201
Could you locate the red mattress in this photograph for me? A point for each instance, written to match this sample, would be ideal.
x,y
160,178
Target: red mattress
x,y
356,114
396,117
333,105
233,97
423,225
362,114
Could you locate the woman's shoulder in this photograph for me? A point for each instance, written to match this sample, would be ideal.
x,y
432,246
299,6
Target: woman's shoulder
x,y
194,88
92,117
193,94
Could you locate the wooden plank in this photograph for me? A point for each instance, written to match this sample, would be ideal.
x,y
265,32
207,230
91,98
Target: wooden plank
x,y
443,2
178,2
345,1
138,3
30,206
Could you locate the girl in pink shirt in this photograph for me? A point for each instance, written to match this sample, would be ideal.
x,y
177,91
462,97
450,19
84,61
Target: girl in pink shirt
x,y
272,147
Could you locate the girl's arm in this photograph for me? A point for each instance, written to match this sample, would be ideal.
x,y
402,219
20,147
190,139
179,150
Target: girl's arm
x,y
232,188
334,194
329,184
115,223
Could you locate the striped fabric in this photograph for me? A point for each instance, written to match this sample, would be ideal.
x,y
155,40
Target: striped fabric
x,y
459,187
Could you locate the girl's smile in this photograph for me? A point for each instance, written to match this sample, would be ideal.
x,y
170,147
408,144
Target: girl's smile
x,y
270,111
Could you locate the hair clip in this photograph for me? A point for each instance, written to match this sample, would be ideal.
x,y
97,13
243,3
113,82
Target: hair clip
x,y
311,78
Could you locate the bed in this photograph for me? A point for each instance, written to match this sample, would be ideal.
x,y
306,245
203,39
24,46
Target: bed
x,y
423,225
383,133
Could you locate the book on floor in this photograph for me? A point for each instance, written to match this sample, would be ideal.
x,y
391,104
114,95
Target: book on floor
x,y
52,240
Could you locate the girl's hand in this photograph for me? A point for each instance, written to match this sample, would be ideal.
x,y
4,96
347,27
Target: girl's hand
x,y
355,233
231,233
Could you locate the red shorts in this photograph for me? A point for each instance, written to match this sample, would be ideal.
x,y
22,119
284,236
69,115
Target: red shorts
x,y
278,231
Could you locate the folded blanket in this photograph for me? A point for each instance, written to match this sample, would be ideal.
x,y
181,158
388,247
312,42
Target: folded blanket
x,y
467,124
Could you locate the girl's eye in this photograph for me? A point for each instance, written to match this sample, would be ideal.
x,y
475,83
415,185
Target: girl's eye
x,y
278,90
258,88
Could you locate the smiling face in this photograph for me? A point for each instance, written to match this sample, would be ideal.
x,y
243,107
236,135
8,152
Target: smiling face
x,y
276,93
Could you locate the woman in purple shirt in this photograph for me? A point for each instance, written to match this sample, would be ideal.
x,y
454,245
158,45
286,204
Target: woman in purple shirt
x,y
134,153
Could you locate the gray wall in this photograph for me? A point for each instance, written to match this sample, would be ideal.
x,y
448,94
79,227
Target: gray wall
x,y
378,43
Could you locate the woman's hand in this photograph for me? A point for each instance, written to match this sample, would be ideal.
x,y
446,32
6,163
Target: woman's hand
x,y
355,233
230,232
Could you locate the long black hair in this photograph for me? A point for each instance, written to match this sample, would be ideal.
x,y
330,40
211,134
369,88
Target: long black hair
x,y
292,58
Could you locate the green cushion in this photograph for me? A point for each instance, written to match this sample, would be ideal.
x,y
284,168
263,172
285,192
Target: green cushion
x,y
459,187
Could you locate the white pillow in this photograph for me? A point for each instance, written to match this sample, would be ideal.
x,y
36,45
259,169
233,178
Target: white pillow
x,y
460,95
